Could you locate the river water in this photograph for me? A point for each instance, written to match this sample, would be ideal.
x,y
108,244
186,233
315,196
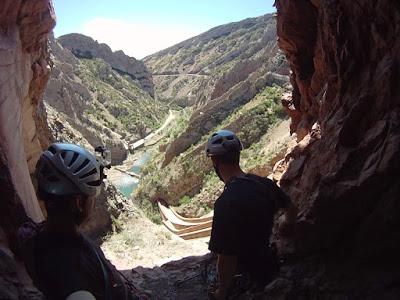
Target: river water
x,y
127,184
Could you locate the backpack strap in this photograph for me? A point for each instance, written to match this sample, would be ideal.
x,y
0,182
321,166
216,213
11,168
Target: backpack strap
x,y
106,277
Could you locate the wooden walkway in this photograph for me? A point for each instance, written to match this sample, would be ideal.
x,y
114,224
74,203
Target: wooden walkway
x,y
186,228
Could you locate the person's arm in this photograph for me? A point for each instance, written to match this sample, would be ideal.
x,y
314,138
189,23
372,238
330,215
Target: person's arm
x,y
226,270
224,242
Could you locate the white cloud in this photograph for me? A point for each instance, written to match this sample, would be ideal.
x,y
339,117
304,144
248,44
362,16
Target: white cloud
x,y
137,39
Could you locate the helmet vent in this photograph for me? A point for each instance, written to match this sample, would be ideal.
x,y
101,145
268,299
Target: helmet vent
x,y
63,154
84,164
94,171
94,183
52,150
219,141
229,138
74,157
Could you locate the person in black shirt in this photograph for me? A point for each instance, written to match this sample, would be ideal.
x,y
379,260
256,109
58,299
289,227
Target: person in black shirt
x,y
243,217
62,262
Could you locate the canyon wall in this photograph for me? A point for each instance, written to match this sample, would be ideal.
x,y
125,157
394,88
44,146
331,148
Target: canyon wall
x,y
344,172
24,70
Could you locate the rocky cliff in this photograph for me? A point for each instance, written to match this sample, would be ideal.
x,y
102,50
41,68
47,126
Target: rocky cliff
x,y
204,67
85,47
344,171
24,70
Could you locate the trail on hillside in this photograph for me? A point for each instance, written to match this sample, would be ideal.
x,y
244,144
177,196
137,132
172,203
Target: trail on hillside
x,y
117,172
155,136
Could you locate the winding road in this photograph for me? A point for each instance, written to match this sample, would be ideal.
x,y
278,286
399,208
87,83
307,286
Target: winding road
x,y
151,139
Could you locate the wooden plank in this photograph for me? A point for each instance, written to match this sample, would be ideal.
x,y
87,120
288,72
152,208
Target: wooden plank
x,y
193,228
197,234
170,216
205,218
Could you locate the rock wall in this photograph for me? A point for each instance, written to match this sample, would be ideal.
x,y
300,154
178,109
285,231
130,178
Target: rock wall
x,y
24,70
344,171
67,98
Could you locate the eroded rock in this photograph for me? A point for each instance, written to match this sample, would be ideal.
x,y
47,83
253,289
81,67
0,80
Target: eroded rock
x,y
344,172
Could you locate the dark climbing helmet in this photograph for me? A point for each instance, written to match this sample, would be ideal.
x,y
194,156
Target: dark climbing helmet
x,y
67,169
223,142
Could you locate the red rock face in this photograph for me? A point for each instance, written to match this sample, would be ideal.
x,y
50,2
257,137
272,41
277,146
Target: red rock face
x,y
345,171
24,70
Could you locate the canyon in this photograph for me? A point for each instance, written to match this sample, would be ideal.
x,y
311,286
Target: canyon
x,y
339,161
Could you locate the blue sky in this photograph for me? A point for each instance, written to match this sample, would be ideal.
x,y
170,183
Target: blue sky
x,y
142,27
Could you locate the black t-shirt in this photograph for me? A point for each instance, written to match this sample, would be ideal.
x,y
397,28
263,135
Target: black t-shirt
x,y
243,221
63,265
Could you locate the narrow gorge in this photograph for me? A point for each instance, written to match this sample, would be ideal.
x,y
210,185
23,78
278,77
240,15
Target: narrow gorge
x,y
310,90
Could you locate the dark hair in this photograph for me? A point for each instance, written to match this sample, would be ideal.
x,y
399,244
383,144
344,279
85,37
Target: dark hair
x,y
59,205
230,158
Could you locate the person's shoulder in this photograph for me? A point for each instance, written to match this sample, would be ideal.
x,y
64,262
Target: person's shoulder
x,y
259,179
242,184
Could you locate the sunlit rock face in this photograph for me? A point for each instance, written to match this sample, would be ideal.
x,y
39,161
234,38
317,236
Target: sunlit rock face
x,y
345,109
24,70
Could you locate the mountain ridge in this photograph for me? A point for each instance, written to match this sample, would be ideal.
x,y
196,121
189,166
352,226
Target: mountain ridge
x,y
84,46
209,31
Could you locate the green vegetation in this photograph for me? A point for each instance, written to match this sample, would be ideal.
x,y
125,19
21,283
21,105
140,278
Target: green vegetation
x,y
122,103
181,124
198,68
192,170
214,53
184,200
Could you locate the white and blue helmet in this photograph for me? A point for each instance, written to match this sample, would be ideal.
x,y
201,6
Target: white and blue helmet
x,y
223,142
67,169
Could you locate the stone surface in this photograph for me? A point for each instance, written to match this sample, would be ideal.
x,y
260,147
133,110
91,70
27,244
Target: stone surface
x,y
86,47
24,70
344,171
180,279
10,281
